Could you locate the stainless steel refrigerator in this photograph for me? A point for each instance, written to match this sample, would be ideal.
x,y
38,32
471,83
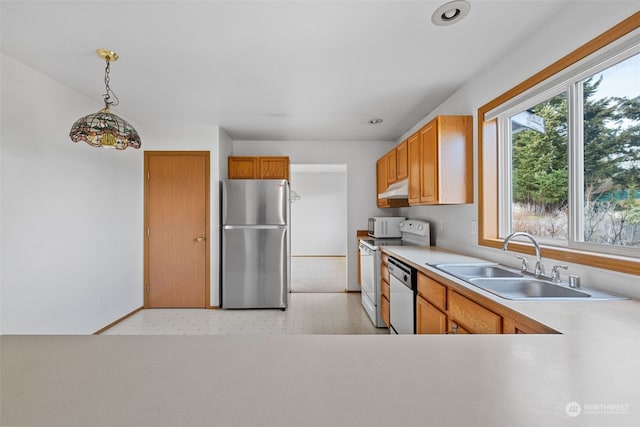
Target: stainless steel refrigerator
x,y
256,267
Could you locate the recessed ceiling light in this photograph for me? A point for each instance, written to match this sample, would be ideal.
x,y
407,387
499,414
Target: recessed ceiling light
x,y
375,121
451,12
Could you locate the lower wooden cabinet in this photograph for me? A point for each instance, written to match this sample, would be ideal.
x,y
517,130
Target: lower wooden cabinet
x,y
442,310
513,326
385,311
385,288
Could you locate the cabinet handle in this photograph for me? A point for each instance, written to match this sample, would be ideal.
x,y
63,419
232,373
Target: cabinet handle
x,y
201,239
454,329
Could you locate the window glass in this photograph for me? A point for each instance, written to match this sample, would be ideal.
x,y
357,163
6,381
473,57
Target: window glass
x,y
611,135
539,175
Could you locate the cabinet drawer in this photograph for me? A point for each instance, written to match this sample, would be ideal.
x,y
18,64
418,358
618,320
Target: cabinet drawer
x,y
432,291
473,317
385,289
384,272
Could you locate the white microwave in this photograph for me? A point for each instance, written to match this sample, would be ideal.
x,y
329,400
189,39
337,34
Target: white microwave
x,y
381,227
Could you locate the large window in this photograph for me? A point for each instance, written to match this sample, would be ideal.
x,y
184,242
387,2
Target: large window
x,y
565,146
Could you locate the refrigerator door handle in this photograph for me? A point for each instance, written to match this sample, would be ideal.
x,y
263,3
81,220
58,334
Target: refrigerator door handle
x,y
254,227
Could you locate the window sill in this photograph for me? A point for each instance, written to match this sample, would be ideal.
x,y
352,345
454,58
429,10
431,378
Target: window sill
x,y
618,263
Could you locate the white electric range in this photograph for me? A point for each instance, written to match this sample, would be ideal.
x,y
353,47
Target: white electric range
x,y
414,233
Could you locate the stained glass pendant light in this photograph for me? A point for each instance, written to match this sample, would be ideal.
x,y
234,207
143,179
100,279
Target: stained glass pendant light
x,y
105,129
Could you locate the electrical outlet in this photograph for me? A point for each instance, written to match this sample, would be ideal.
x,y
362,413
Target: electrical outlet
x,y
474,227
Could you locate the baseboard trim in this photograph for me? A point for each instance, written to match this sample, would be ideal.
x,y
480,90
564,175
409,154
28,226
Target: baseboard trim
x,y
112,324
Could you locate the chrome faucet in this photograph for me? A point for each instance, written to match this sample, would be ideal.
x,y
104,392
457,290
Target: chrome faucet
x,y
539,268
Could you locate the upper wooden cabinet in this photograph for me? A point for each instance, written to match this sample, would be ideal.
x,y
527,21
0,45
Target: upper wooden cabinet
x,y
415,156
441,162
383,175
402,165
444,148
248,167
243,168
392,167
438,162
381,181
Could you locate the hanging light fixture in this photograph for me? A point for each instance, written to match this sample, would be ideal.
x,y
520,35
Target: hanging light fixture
x,y
105,129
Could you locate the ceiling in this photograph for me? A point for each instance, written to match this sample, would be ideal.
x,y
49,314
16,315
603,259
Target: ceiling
x,y
266,70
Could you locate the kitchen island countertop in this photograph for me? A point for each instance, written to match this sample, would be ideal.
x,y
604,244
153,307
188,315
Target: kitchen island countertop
x,y
589,375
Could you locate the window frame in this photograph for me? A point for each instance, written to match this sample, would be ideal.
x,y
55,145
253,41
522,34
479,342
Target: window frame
x,y
489,161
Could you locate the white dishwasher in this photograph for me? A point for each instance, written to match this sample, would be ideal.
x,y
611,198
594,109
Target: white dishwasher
x,y
403,297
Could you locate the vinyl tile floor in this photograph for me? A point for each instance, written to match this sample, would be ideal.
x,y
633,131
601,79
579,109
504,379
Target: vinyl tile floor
x,y
308,314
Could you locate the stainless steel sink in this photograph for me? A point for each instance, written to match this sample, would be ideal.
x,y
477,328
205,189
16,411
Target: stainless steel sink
x,y
465,271
510,284
526,288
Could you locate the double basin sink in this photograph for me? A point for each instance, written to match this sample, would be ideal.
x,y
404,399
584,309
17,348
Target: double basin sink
x,y
509,284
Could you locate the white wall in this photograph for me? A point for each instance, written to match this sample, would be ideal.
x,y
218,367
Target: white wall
x,y
71,219
319,217
587,20
360,158
225,149
72,215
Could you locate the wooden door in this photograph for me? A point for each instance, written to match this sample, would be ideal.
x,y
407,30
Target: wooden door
x,y
429,178
176,229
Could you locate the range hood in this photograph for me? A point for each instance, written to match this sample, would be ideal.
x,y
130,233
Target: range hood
x,y
397,190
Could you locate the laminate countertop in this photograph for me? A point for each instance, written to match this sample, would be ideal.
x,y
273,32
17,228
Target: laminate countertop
x,y
589,375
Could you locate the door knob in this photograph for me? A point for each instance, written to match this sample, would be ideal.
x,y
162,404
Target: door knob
x,y
201,239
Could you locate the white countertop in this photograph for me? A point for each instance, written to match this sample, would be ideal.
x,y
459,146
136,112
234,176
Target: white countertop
x,y
303,380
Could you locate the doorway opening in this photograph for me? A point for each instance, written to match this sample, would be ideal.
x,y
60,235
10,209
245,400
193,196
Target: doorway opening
x,y
319,228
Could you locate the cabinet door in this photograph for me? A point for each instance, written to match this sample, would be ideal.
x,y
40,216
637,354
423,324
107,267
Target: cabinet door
x,y
429,320
402,165
414,146
429,161
384,311
391,166
381,176
274,167
243,167
455,152
514,326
